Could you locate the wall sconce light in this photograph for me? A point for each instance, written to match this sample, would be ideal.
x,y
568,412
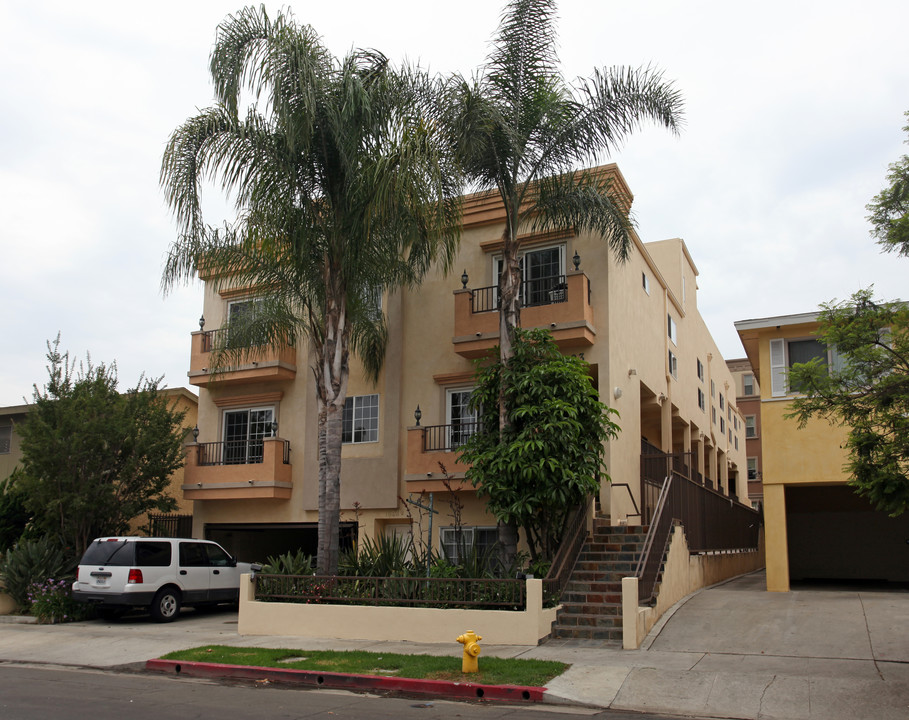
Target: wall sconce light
x,y
632,372
662,398
198,484
429,474
552,325
250,481
202,323
196,434
417,414
617,393
274,428
464,279
576,260
479,334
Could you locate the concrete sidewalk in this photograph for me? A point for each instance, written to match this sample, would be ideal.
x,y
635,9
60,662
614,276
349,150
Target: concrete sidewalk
x,y
731,651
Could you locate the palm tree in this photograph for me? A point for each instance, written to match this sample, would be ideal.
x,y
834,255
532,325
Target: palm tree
x,y
521,130
342,194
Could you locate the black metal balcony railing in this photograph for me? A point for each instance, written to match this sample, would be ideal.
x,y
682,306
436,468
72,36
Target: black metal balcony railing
x,y
237,452
447,437
539,291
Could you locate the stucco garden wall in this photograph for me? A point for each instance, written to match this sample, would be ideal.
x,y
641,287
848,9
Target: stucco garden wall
x,y
683,573
363,622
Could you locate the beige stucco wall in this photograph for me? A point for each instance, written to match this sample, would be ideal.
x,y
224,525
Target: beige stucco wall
x,y
683,574
359,622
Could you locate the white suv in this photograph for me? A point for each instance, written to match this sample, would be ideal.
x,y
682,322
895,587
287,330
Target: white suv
x,y
158,573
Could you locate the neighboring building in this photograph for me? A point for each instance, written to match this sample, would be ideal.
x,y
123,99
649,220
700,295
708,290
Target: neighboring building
x,y
816,527
10,453
253,475
184,399
748,400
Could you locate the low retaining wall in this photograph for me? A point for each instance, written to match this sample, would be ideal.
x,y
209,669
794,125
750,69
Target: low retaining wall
x,y
366,622
683,573
7,604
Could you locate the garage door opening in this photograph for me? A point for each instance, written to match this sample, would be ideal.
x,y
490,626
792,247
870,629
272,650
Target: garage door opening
x,y
835,536
257,542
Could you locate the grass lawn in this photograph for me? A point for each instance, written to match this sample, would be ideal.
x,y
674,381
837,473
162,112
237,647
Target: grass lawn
x,y
493,671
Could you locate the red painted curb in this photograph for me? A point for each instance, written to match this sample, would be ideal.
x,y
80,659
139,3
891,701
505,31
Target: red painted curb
x,y
345,681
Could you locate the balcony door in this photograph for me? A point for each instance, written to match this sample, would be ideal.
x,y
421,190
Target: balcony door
x,y
460,419
244,432
542,275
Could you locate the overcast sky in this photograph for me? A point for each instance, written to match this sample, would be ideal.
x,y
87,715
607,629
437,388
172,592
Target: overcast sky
x,y
793,111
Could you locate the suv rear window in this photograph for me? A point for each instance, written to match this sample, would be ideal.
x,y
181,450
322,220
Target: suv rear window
x,y
120,553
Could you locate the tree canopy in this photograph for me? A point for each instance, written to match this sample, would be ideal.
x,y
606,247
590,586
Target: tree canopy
x,y
549,457
889,210
521,130
92,458
344,190
865,389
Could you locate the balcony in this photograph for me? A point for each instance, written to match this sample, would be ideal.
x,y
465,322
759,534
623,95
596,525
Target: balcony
x,y
263,364
560,303
430,445
255,469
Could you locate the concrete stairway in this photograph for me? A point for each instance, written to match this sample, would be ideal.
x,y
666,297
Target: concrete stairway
x,y
592,600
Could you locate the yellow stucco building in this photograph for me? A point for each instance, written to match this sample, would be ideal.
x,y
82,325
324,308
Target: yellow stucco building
x,y
253,472
816,527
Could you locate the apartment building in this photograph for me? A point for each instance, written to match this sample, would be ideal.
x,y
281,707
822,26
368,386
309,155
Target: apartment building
x,y
748,400
253,472
816,527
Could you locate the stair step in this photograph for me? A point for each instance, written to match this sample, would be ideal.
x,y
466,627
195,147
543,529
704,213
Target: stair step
x,y
589,620
609,635
591,598
585,608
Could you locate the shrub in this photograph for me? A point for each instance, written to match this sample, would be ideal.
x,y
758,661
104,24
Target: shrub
x,y
290,563
51,601
33,561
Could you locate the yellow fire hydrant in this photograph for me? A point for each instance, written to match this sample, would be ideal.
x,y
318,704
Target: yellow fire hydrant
x,y
471,642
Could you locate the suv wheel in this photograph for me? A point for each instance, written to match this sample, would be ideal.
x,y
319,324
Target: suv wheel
x,y
166,605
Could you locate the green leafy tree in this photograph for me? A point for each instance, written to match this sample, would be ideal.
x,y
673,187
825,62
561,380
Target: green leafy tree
x,y
866,389
92,458
14,516
343,192
522,130
549,458
890,208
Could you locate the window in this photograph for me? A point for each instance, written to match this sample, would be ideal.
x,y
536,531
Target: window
x,y
700,370
645,283
712,389
6,437
672,329
484,539
240,313
542,275
722,426
722,403
752,469
702,400
673,365
750,426
713,414
244,431
748,382
784,354
361,419
460,419
736,442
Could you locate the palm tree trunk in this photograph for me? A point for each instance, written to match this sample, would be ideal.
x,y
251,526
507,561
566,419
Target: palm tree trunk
x,y
332,373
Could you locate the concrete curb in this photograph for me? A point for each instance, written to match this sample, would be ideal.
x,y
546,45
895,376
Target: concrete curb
x,y
359,683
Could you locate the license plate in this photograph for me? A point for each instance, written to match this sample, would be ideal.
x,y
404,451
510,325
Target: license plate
x,y
99,581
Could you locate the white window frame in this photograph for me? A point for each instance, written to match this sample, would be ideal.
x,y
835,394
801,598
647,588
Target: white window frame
x,y
780,363
753,428
456,437
672,330
673,362
745,383
448,539
356,402
497,262
751,464
645,281
270,409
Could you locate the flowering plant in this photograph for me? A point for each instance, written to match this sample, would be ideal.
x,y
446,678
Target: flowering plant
x,y
50,601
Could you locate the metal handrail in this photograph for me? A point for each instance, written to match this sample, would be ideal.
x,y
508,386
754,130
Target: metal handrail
x,y
637,510
238,452
538,291
448,437
566,556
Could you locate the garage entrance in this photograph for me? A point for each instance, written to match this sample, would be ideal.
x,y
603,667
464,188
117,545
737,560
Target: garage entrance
x,y
250,542
833,534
